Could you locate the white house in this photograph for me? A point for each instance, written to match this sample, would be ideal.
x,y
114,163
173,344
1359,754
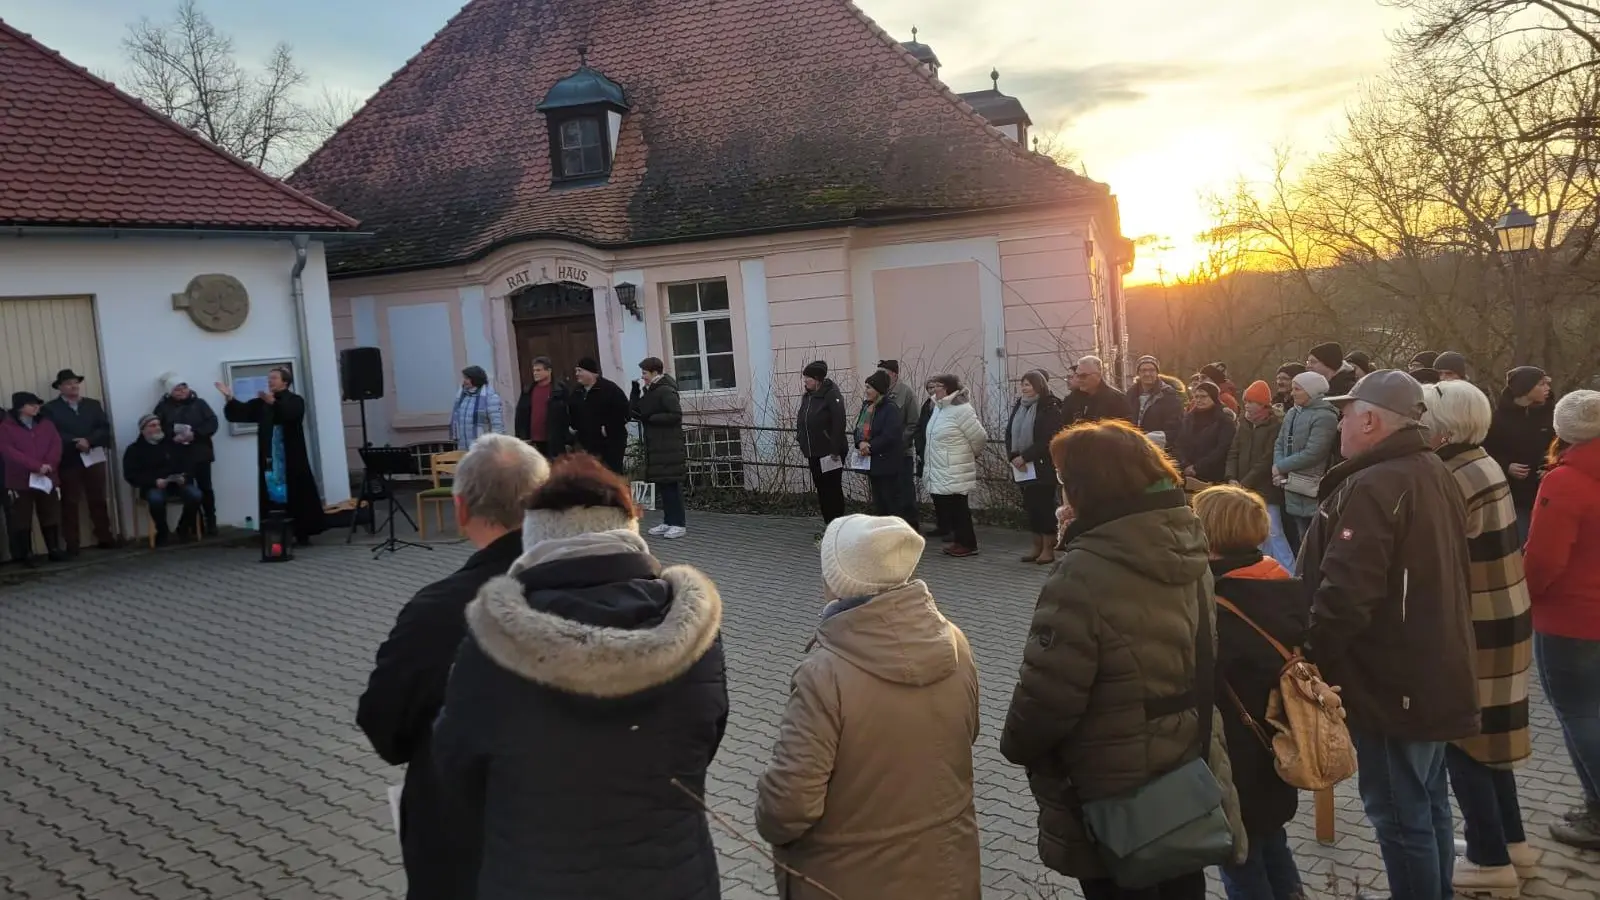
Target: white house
x,y
130,248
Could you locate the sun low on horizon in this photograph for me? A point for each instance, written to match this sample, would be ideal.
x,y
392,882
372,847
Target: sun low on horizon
x,y
1166,101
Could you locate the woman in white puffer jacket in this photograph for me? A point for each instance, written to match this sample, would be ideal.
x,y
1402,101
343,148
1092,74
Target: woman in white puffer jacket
x,y
955,438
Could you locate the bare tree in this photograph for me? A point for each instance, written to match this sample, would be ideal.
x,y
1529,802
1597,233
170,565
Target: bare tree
x,y
1053,143
188,70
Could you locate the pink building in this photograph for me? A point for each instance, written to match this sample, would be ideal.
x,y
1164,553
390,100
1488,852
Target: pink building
x,y
736,186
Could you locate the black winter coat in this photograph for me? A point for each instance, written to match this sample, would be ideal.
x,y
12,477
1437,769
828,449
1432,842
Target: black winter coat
x,y
1341,382
658,411
1164,414
820,426
558,418
288,412
1203,442
559,741
143,463
1046,423
404,695
1521,434
924,418
1249,665
89,422
887,440
198,415
1105,403
600,416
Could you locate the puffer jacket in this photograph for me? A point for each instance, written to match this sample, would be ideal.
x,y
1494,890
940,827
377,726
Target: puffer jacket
x,y
955,439
869,791
1113,634
1250,457
1562,578
195,413
820,426
593,678
1203,442
1306,443
660,418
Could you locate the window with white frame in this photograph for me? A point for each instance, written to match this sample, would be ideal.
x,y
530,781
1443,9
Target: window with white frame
x,y
700,336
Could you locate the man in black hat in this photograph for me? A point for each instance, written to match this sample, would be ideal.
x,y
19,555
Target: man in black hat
x,y
600,416
1451,366
1328,361
905,399
85,446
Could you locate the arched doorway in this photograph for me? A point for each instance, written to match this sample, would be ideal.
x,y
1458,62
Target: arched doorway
x,y
555,319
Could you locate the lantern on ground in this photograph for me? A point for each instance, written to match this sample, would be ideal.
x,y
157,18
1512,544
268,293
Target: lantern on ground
x,y
277,538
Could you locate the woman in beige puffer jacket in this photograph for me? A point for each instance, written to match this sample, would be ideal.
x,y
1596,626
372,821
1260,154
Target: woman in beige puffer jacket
x,y
869,791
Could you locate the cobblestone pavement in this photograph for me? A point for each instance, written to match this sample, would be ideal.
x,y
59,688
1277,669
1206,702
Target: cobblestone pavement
x,y
182,726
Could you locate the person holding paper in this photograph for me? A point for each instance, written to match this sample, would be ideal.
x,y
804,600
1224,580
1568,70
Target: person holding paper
x,y
160,468
189,420
1035,419
820,431
880,444
286,481
955,438
30,450
85,438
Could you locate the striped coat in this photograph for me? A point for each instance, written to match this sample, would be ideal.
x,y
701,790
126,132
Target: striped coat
x,y
1502,619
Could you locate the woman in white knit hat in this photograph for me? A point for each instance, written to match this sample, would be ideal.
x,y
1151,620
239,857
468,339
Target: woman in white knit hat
x,y
869,791
1564,583
1306,442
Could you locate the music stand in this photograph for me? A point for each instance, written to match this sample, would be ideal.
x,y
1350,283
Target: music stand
x,y
385,463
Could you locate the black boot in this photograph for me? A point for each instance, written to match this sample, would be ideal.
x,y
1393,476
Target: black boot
x,y
52,544
22,548
186,525
209,524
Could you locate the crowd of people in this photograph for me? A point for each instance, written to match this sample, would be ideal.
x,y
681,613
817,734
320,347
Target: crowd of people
x,y
559,699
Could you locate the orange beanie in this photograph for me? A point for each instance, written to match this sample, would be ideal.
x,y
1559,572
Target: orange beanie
x,y
1258,392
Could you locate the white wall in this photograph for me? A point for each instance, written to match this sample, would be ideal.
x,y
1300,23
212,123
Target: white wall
x,y
132,281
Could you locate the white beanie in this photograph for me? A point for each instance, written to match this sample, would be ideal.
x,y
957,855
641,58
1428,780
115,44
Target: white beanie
x,y
1578,417
863,556
169,381
1311,383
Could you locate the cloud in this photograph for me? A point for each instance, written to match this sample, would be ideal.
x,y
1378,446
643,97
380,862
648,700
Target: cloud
x,y
1070,93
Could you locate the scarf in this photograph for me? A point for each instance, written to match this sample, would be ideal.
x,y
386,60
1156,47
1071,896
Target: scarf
x,y
278,476
1022,422
593,543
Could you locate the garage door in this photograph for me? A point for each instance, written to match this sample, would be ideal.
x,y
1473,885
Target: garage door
x,y
40,336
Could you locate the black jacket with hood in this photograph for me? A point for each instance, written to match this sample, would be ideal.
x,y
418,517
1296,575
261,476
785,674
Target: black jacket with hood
x,y
1164,412
1203,442
820,425
1521,434
593,679
195,413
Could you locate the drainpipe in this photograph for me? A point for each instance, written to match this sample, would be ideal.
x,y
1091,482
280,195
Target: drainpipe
x,y
297,292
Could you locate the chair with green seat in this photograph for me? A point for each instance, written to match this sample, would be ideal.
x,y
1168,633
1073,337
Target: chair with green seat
x,y
440,466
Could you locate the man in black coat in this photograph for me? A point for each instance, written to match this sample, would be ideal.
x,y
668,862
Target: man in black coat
x,y
85,441
600,416
1155,404
544,411
1092,399
191,422
1520,436
820,431
160,469
407,686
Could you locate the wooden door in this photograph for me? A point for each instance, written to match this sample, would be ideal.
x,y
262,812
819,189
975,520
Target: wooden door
x,y
564,340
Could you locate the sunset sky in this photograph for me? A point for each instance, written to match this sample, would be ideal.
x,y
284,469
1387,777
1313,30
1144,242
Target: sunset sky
x,y
1163,99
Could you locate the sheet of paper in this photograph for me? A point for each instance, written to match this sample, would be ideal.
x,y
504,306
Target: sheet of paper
x,y
829,464
246,389
41,483
1023,474
858,462
394,807
94,457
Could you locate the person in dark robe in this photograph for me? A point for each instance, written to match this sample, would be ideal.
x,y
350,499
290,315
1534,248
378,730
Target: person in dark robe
x,y
286,483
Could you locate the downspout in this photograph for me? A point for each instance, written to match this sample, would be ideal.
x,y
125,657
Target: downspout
x,y
297,292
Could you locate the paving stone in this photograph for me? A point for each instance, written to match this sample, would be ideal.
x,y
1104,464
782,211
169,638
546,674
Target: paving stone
x,y
182,726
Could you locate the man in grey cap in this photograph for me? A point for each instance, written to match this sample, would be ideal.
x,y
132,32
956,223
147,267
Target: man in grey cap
x,y
1385,562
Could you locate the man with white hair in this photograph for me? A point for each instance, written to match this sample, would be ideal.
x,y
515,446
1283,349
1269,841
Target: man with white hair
x,y
1386,564
406,690
1092,399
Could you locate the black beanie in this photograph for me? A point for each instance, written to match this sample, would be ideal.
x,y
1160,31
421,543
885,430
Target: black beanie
x,y
1451,361
1522,379
1211,390
1329,354
817,370
589,364
1360,360
1291,369
1215,371
1424,360
879,381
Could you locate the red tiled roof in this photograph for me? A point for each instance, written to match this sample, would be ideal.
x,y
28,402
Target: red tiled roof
x,y
747,115
75,151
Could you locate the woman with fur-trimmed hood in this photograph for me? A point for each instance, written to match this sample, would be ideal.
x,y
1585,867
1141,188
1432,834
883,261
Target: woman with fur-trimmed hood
x,y
592,682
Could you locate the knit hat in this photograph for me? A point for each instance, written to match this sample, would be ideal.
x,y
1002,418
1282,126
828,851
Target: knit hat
x,y
1291,369
1210,390
1311,383
589,364
1578,417
1216,371
879,381
863,556
1329,354
817,370
1424,360
170,381
24,398
1147,358
1359,359
1451,361
1522,379
1425,376
580,496
1258,392
146,419
889,365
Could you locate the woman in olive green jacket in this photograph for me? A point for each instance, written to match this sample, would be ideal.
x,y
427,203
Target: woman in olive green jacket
x,y
1099,709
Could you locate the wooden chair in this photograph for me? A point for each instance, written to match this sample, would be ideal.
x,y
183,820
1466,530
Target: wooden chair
x,y
440,466
198,521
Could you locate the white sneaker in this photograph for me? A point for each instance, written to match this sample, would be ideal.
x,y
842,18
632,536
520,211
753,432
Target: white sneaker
x,y
661,529
675,532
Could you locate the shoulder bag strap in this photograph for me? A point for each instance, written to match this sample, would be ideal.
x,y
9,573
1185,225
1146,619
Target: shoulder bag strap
x,y
1282,650
1249,720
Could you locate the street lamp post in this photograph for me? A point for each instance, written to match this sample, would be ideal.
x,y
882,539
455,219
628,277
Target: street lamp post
x,y
1514,234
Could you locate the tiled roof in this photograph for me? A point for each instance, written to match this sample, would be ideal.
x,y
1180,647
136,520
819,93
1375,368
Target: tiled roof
x,y
998,108
747,115
75,151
